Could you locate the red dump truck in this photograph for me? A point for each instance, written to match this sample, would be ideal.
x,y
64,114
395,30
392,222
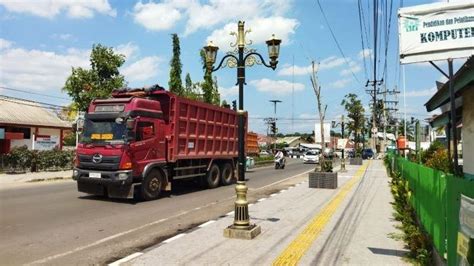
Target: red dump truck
x,y
139,141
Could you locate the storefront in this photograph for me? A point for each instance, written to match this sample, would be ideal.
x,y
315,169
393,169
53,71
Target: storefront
x,y
26,123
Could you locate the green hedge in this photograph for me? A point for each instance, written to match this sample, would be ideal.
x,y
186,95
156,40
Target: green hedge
x,y
20,159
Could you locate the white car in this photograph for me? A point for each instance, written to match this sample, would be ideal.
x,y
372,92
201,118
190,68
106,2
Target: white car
x,y
311,157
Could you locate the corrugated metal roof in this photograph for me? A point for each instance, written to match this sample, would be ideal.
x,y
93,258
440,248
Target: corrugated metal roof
x,y
22,112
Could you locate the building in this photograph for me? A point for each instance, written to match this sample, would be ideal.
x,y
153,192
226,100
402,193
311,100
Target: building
x,y
290,141
27,123
463,85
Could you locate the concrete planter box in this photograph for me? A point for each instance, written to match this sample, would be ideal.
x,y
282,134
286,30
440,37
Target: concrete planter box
x,y
323,180
355,161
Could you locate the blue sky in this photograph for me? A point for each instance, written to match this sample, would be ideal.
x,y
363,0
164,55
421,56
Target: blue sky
x,y
41,40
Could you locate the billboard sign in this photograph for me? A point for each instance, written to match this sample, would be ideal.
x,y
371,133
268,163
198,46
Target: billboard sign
x,y
44,143
436,32
327,132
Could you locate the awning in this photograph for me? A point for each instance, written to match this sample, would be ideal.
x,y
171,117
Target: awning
x,y
463,79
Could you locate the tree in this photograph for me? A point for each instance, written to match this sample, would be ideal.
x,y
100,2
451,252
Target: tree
x,y
379,121
85,85
207,83
175,84
317,91
322,113
355,113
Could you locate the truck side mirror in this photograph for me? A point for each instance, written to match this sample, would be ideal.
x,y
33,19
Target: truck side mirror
x,y
130,124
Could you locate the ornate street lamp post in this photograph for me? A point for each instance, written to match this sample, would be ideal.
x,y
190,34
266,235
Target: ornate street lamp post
x,y
240,58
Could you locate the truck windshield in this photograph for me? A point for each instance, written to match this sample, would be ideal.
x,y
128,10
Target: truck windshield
x,y
103,131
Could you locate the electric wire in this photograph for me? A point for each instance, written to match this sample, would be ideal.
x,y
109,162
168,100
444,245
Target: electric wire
x,y
34,93
335,40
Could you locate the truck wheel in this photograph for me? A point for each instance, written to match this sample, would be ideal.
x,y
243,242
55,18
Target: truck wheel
x,y
213,176
227,174
151,186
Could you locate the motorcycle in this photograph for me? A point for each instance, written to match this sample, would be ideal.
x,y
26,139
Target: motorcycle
x,y
280,163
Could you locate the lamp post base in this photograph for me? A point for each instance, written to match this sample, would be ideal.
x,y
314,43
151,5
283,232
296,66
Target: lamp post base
x,y
241,228
249,232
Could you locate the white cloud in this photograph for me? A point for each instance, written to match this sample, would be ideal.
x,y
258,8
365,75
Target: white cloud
x,y
63,37
280,87
228,92
261,30
365,53
421,93
4,44
353,68
51,8
298,71
39,70
156,17
129,50
339,84
142,69
222,11
327,63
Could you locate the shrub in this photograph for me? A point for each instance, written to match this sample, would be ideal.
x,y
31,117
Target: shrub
x,y
440,161
22,159
430,152
326,166
417,241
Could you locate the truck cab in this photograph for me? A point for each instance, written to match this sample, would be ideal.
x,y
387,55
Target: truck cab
x,y
120,136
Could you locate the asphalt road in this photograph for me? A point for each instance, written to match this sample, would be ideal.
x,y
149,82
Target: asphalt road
x,y
51,223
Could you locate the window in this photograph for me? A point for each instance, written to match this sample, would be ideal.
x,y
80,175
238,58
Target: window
x,y
145,130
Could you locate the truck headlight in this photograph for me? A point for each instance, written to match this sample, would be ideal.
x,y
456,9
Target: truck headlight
x,y
122,176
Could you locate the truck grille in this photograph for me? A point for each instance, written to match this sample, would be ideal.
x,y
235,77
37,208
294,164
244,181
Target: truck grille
x,y
109,163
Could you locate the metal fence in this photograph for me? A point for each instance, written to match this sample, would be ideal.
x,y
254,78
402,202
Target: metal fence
x,y
435,196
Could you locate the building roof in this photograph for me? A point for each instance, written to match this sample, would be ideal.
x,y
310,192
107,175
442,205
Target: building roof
x,y
463,79
288,140
15,111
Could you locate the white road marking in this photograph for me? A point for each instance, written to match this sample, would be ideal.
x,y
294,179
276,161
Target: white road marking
x,y
229,213
283,190
100,241
283,180
129,257
262,199
273,195
207,223
174,238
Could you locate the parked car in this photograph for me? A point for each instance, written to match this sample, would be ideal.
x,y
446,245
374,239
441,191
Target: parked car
x,y
264,153
311,157
367,154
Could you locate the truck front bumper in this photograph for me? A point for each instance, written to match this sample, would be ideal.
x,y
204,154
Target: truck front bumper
x,y
115,184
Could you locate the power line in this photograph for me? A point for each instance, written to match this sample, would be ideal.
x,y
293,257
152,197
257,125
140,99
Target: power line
x,y
31,103
337,43
34,93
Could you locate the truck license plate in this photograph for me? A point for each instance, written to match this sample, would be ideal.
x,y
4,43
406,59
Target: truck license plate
x,y
95,175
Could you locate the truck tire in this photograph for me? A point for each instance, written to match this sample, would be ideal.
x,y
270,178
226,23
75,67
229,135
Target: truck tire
x,y
152,185
213,176
227,174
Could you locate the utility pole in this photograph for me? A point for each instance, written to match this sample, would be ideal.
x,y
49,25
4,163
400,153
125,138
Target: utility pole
x,y
274,117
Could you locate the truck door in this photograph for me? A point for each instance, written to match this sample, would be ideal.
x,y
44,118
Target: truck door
x,y
144,148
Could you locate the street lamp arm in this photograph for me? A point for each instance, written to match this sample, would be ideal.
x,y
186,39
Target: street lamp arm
x,y
222,61
272,66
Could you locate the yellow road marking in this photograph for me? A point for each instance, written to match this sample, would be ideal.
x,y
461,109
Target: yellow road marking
x,y
298,247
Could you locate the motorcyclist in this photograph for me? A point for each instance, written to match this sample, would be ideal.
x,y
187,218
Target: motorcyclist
x,y
280,159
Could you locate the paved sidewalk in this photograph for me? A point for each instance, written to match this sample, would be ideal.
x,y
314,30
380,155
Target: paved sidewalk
x,y
300,225
7,179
